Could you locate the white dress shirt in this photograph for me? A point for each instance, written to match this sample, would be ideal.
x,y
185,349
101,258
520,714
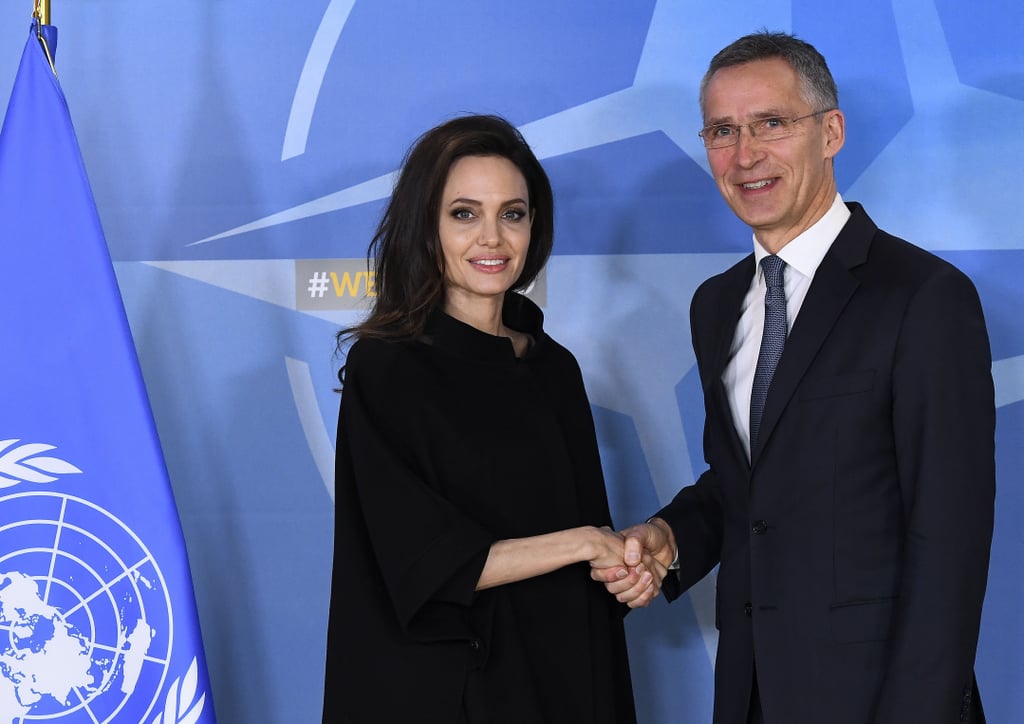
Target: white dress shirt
x,y
802,256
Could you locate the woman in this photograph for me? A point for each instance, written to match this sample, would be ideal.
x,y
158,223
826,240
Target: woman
x,y
469,493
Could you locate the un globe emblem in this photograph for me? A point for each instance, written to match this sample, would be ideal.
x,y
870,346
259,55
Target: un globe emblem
x,y
85,616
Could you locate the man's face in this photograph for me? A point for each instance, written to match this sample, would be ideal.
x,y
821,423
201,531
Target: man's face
x,y
779,187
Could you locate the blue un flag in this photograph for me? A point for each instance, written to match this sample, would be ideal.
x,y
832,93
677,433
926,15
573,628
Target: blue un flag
x,y
97,615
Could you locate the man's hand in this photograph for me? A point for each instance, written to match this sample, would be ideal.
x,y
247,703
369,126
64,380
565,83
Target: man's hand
x,y
649,550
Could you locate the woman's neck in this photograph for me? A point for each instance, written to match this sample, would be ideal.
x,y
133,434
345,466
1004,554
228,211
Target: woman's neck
x,y
480,313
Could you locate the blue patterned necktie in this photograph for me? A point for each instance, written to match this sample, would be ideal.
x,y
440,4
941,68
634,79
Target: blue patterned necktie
x,y
772,342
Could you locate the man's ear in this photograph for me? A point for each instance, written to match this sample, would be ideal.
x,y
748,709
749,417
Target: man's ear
x,y
835,132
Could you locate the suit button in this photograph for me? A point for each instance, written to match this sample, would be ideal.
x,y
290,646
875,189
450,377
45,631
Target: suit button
x,y
747,608
759,528
474,644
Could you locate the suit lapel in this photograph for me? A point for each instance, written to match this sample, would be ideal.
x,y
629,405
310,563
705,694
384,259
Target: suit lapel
x,y
831,289
735,284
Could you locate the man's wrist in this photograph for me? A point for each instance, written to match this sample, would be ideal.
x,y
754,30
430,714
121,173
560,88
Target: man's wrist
x,y
666,530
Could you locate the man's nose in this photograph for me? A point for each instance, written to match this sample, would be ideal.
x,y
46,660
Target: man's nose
x,y
749,148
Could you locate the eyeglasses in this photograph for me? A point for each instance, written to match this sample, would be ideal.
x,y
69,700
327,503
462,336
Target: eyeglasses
x,y
722,135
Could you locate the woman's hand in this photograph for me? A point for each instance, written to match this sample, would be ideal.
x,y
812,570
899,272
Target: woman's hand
x,y
516,559
638,583
607,548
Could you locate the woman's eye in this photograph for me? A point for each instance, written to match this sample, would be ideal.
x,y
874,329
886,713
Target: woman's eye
x,y
462,214
514,214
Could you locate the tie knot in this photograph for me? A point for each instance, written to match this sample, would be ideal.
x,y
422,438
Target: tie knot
x,y
772,267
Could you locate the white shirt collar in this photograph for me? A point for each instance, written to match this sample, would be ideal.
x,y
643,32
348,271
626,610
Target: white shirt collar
x,y
805,252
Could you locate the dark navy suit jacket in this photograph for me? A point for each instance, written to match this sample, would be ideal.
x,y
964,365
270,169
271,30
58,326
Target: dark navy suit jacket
x,y
854,545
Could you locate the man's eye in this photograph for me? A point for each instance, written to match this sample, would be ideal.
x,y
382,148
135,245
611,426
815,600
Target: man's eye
x,y
723,131
773,124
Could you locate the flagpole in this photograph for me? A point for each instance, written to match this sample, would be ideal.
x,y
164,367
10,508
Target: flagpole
x,y
42,15
42,11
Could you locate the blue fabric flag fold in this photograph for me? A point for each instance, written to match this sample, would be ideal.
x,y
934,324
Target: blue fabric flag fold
x,y
98,621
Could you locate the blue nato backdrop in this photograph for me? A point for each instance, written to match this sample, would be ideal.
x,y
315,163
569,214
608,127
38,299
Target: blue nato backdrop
x,y
240,152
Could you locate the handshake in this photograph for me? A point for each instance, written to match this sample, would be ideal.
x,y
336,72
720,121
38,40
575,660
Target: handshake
x,y
632,563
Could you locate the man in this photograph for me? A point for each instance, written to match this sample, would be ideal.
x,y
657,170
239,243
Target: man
x,y
849,496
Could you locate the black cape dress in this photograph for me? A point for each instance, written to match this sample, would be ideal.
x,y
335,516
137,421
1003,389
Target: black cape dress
x,y
447,444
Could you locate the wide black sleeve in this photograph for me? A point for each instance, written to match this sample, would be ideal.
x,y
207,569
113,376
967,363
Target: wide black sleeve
x,y
428,553
567,394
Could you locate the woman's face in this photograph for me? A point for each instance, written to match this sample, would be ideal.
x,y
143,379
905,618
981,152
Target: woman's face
x,y
484,227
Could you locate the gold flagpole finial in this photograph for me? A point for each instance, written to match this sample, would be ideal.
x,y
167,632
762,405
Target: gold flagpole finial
x,y
42,11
